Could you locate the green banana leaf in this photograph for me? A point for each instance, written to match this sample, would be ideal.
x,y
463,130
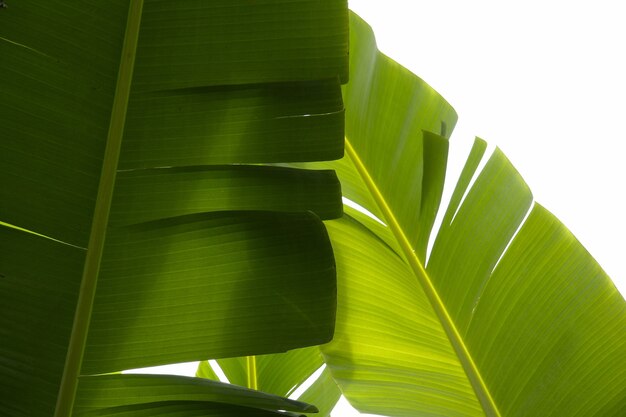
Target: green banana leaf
x,y
499,323
119,394
281,374
131,234
508,316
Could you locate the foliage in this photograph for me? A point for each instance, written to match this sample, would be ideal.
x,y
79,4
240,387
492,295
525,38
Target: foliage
x,y
520,319
133,234
510,316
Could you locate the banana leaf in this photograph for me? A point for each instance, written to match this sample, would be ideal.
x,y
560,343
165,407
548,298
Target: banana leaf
x,y
282,374
131,233
509,315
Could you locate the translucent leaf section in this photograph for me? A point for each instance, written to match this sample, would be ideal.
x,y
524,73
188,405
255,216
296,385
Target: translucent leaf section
x,y
198,273
499,323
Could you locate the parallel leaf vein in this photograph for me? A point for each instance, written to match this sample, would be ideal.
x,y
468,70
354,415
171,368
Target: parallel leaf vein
x,y
470,368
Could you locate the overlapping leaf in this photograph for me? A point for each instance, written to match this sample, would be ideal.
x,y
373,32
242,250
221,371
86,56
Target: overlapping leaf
x,y
111,394
282,374
222,82
497,324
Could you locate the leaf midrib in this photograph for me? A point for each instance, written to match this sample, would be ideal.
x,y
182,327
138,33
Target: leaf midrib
x,y
82,316
457,342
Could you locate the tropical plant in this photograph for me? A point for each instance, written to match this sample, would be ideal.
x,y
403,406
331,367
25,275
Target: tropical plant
x,y
510,316
132,234
521,320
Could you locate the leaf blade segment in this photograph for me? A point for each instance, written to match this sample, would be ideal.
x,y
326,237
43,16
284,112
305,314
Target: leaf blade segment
x,y
469,366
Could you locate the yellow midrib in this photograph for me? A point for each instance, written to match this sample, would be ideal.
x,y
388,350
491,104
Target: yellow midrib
x,y
252,381
473,375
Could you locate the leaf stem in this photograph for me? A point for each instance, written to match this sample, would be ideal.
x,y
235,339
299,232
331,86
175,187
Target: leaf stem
x,y
471,370
86,296
251,374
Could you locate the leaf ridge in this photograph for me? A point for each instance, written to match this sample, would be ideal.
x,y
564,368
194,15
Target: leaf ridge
x,y
251,372
456,340
82,316
21,229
